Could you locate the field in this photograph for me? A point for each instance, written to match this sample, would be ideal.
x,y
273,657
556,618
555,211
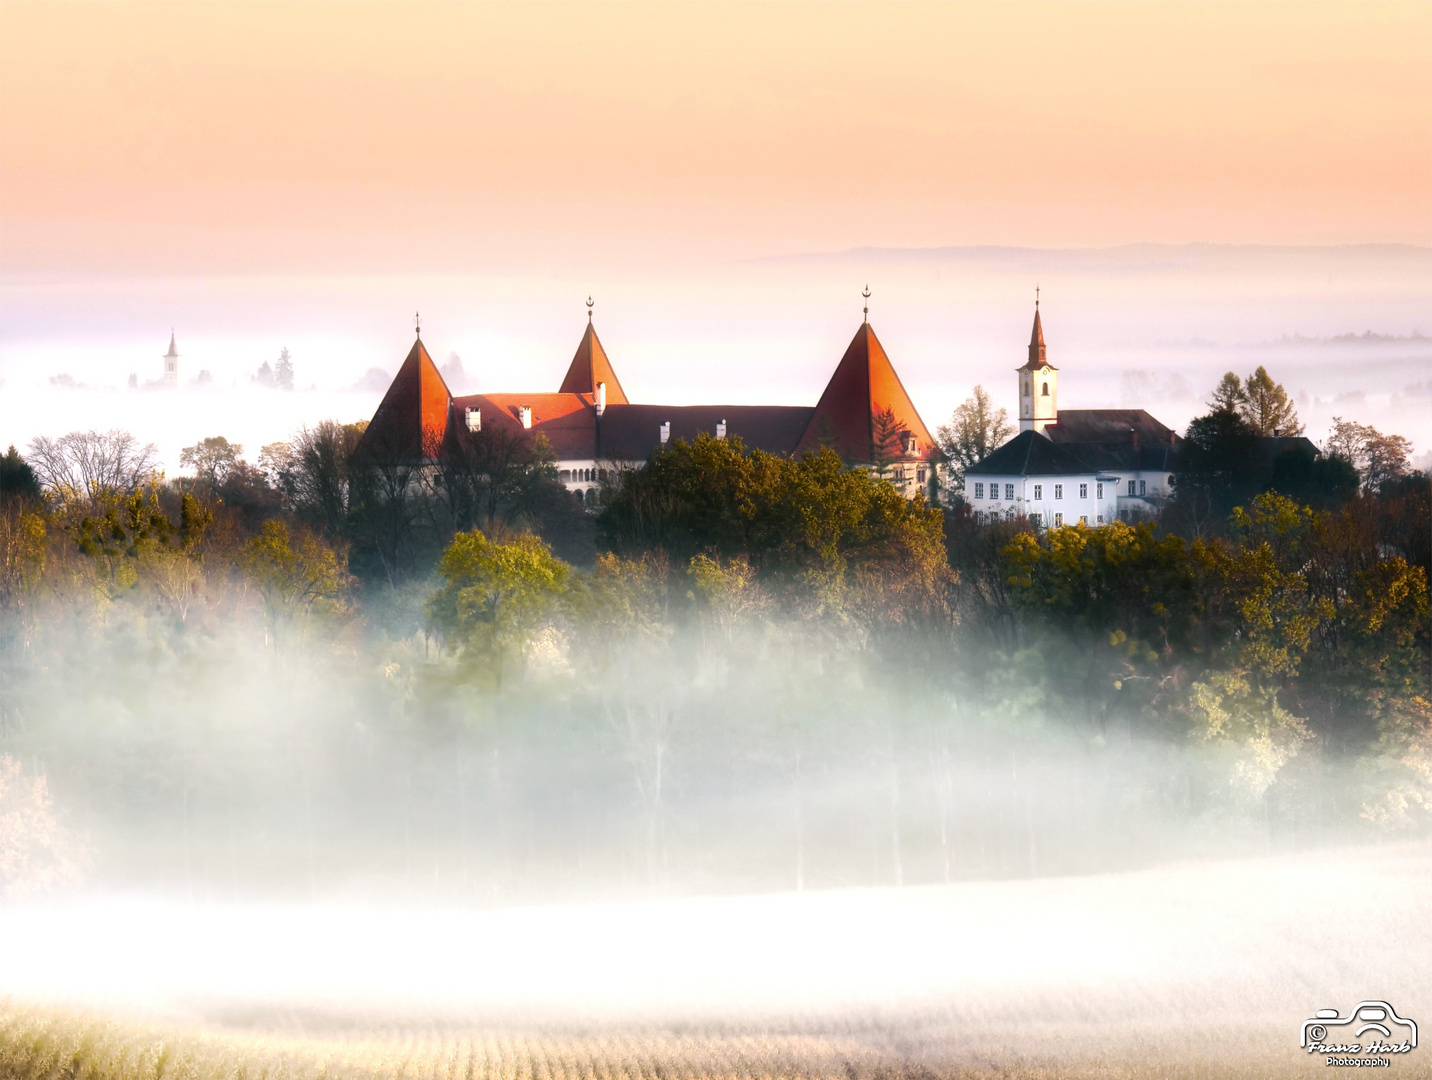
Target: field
x,y
1201,970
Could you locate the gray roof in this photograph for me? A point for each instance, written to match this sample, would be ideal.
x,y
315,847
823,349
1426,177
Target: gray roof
x,y
1031,454
1109,426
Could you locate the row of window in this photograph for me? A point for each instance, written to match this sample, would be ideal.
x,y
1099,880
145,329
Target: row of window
x,y
986,517
901,477
582,475
1136,487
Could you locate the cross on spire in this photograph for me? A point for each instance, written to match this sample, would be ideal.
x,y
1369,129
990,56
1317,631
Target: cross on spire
x,y
1036,296
589,309
866,294
417,325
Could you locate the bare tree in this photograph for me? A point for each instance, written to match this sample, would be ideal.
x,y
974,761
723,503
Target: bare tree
x,y
212,460
84,468
1377,457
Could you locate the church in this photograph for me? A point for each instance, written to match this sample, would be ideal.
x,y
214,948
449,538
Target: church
x,y
1075,467
592,427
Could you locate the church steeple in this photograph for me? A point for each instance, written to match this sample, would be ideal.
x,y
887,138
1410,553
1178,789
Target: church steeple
x,y
1037,355
1038,382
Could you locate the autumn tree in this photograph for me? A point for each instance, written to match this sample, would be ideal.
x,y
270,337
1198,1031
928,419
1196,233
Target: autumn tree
x,y
212,460
293,574
495,597
975,430
1267,407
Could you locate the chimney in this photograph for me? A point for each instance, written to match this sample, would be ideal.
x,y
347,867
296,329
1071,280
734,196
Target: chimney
x,y
474,419
1134,437
665,433
524,413
601,398
721,430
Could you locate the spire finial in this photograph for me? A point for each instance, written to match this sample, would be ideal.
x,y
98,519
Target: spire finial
x,y
589,309
1036,298
866,294
417,325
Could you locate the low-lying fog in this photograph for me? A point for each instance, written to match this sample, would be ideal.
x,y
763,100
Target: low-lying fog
x,y
1216,948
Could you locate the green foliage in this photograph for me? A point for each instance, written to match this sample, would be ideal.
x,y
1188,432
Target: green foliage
x,y
212,460
17,479
816,533
496,596
291,573
1267,408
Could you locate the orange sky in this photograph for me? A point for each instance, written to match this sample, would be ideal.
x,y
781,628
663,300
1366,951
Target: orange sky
x,y
343,137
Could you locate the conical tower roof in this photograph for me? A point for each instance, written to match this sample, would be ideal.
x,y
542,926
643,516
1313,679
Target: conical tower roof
x,y
863,386
412,419
591,366
1037,356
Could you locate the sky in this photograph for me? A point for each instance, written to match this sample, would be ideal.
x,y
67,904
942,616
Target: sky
x,y
256,176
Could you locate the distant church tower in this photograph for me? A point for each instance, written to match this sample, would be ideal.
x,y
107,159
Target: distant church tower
x,y
1038,383
171,366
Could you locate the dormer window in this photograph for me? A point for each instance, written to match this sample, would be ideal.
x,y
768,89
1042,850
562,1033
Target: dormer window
x,y
474,419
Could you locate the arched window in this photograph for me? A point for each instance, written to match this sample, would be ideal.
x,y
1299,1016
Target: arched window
x,y
1045,391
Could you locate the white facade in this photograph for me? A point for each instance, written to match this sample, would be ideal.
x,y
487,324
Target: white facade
x,y
1038,398
1091,499
1049,501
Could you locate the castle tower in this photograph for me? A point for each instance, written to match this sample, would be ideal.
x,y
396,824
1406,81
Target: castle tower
x,y
171,365
1038,384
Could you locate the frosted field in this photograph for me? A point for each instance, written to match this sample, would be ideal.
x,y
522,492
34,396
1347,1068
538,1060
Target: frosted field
x,y
1210,966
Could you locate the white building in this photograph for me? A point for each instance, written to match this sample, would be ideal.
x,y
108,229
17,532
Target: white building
x,y
1089,466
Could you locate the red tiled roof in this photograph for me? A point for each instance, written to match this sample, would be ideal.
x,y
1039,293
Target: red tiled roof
x,y
1037,353
589,367
567,420
863,385
411,421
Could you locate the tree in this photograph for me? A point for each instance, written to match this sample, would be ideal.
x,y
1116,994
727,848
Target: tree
x,y
976,429
1267,407
884,442
264,376
212,460
17,479
292,574
83,469
1378,458
36,851
283,371
496,596
1228,396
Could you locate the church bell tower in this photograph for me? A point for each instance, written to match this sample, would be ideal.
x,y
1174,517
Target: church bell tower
x,y
1038,383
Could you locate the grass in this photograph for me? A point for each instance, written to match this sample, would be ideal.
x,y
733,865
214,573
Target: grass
x,y
39,1044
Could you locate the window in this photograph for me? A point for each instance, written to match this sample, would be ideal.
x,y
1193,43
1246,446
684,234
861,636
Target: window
x,y
1045,391
1035,519
1039,491
1009,514
1131,488
1009,494
1083,520
1058,520
1143,488
899,474
1099,491
1100,519
1059,491
979,491
919,476
1083,491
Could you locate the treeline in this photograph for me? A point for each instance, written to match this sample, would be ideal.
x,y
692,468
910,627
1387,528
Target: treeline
x,y
775,672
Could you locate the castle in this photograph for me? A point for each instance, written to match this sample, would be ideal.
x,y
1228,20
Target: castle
x,y
592,427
